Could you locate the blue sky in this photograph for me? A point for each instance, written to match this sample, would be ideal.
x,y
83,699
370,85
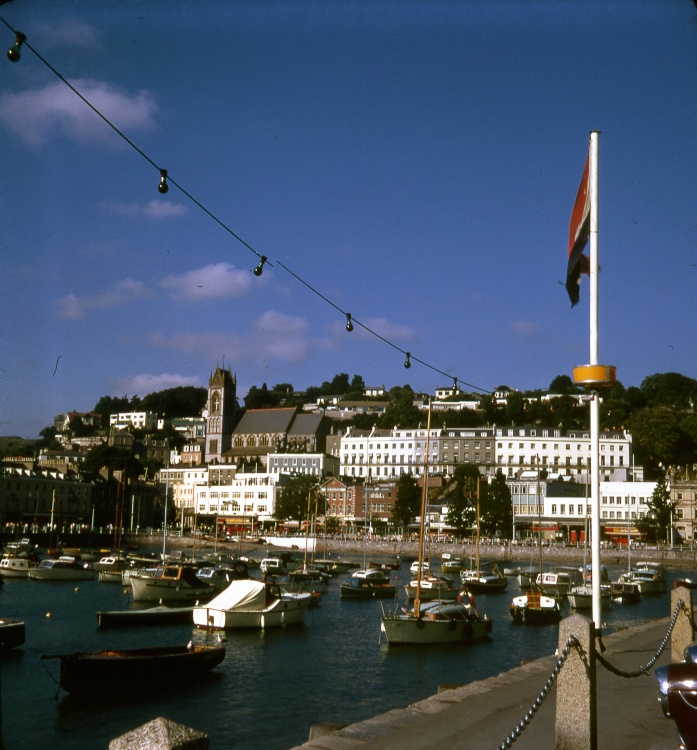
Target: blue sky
x,y
414,162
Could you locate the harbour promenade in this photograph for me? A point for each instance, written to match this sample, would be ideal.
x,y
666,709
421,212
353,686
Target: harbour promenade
x,y
484,714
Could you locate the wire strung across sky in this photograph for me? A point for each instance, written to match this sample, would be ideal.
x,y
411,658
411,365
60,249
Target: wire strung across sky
x,y
165,180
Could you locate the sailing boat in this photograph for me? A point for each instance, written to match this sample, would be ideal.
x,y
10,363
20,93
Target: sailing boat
x,y
438,621
535,606
625,588
486,582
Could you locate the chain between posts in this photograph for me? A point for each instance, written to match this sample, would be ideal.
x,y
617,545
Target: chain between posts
x,y
644,669
537,704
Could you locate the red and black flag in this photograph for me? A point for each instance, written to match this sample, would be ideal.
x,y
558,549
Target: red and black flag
x,y
579,233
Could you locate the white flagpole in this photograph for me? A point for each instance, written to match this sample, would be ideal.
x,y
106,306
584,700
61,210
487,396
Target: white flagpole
x,y
595,402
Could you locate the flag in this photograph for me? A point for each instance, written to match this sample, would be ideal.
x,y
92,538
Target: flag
x,y
579,232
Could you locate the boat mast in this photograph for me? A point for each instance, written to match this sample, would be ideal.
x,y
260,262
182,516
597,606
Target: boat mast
x,y
424,495
539,514
478,533
164,521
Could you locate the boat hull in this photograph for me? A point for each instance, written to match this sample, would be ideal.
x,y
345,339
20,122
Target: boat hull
x,y
169,584
105,670
285,613
535,608
130,618
405,630
16,567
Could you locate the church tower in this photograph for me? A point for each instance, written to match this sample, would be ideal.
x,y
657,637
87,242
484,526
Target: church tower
x,y
222,406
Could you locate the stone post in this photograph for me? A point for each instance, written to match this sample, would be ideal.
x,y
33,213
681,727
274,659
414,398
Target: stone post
x,y
576,726
683,633
161,734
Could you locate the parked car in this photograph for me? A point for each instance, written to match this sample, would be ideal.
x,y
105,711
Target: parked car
x,y
677,689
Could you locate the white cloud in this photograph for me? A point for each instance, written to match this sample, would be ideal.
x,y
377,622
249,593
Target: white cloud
x,y
524,327
272,336
69,33
75,307
394,332
146,383
35,115
216,281
155,209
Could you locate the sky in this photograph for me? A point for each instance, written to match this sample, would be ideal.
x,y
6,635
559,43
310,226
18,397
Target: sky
x,y
412,162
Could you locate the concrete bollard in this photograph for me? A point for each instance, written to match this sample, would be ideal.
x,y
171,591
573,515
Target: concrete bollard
x,y
576,726
161,734
683,633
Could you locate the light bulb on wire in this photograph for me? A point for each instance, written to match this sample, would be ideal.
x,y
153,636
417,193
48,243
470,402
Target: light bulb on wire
x,y
163,187
260,267
13,54
349,323
407,361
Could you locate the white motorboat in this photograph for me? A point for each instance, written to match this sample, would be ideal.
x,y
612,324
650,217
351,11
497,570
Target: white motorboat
x,y
436,622
559,581
63,568
581,597
112,563
17,567
252,604
220,576
169,583
649,575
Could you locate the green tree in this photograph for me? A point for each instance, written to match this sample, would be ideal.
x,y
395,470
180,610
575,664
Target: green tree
x,y
562,384
294,499
515,408
496,508
669,389
461,507
407,505
657,522
112,405
182,401
656,439
261,398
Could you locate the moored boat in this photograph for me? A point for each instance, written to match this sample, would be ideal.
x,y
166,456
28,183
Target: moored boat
x,y
131,618
252,604
559,581
649,575
432,588
63,568
581,597
16,566
367,584
436,622
169,583
144,668
625,591
480,581
534,606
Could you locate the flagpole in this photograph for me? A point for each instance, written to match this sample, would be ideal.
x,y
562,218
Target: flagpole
x,y
595,401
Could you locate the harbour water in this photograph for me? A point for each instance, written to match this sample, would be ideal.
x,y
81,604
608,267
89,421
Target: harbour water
x,y
271,688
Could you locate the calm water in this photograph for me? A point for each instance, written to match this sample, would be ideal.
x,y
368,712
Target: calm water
x,y
271,687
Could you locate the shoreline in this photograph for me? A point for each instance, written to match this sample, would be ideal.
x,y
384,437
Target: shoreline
x,y
386,551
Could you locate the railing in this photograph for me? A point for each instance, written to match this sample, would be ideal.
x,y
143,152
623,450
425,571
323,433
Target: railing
x,y
575,674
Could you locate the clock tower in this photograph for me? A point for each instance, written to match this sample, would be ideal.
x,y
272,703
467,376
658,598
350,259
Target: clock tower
x,y
222,406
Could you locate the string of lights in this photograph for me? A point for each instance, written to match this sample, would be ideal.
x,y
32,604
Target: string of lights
x,y
14,55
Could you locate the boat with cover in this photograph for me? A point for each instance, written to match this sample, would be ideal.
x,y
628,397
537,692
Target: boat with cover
x,y
367,584
133,669
433,622
63,568
252,604
144,616
169,583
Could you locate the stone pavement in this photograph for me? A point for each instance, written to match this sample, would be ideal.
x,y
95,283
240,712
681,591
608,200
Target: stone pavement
x,y
483,714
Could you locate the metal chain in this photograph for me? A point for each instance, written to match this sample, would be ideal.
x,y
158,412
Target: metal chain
x,y
645,669
522,725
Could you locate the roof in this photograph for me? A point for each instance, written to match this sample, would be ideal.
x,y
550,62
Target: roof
x,y
305,424
256,421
